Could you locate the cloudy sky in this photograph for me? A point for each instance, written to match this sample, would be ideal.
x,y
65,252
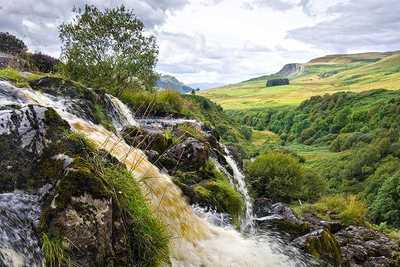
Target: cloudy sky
x,y
227,41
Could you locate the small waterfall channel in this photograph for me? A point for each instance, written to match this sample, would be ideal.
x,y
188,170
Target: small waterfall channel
x,y
195,242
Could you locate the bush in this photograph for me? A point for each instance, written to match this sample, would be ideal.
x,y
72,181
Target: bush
x,y
246,132
348,209
276,175
10,44
44,63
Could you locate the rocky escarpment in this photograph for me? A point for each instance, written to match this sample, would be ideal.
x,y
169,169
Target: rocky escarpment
x,y
332,241
290,70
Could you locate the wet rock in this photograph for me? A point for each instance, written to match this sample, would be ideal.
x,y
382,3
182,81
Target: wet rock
x,y
25,134
262,207
191,154
318,223
281,217
76,99
322,244
366,247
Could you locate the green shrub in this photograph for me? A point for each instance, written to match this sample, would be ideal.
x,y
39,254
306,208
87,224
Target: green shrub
x,y
348,209
276,175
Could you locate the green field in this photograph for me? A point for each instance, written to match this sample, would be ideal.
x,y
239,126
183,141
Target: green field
x,y
329,74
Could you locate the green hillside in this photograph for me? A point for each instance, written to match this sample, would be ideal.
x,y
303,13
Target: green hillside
x,y
329,74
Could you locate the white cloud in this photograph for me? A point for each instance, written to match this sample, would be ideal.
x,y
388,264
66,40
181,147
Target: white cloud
x,y
225,41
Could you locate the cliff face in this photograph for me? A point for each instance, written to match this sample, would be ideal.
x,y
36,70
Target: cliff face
x,y
290,70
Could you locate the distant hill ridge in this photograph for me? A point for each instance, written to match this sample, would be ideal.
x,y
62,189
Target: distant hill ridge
x,y
170,82
323,75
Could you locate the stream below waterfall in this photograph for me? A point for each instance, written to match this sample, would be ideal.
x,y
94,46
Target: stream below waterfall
x,y
208,239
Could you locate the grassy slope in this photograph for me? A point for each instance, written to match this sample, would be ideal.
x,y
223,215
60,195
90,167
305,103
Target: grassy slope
x,y
329,74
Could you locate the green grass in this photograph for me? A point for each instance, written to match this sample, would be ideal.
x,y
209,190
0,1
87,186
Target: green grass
x,y
347,209
53,251
318,78
16,77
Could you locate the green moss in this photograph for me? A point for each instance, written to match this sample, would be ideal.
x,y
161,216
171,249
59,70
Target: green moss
x,y
221,195
325,246
16,77
188,130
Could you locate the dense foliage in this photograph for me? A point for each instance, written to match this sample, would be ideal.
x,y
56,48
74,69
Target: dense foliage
x,y
43,63
108,49
281,177
361,128
10,44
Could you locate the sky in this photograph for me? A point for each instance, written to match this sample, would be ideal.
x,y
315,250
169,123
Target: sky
x,y
226,41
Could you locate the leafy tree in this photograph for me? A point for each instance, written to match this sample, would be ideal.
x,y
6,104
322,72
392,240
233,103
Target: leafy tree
x,y
108,49
386,207
10,44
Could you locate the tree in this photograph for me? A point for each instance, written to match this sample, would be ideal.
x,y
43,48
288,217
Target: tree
x,y
108,49
10,44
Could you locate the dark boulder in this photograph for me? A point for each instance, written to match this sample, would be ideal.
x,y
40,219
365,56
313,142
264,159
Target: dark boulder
x,y
191,154
277,82
147,138
281,217
26,135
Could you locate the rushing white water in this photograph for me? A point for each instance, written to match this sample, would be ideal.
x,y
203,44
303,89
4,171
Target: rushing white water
x,y
120,114
240,185
195,241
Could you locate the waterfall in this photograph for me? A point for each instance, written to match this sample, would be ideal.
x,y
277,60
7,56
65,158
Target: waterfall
x,y
195,241
120,114
19,215
240,185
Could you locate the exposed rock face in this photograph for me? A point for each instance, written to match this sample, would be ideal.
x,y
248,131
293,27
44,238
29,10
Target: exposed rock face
x,y
147,138
277,82
366,247
290,70
329,240
189,155
25,134
74,98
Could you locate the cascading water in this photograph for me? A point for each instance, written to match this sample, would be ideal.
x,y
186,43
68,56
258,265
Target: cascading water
x,y
240,185
19,215
195,241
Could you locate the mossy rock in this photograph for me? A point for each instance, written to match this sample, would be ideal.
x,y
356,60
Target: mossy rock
x,y
321,244
147,139
222,196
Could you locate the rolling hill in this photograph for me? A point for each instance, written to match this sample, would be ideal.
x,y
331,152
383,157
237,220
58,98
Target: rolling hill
x,y
328,74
